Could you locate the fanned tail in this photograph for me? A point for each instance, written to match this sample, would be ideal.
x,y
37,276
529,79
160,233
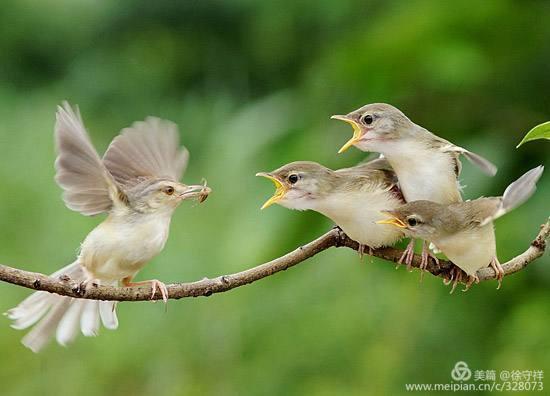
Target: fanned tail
x,y
51,313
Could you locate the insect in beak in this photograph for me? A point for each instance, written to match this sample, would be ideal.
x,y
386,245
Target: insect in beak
x,y
199,191
204,192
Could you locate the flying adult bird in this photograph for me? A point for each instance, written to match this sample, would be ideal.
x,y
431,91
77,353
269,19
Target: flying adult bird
x,y
426,165
353,197
136,183
464,230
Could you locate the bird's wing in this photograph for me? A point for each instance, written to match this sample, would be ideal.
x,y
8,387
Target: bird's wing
x,y
148,148
483,164
386,175
373,174
376,170
88,186
476,213
482,211
375,162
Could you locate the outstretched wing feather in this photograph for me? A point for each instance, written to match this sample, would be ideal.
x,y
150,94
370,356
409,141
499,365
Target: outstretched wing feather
x,y
88,186
148,148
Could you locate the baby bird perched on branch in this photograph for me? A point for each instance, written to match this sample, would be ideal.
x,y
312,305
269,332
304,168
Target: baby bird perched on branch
x,y
464,230
351,197
426,165
136,183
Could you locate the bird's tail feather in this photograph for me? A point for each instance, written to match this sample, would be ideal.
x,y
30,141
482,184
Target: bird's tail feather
x,y
519,191
485,165
64,316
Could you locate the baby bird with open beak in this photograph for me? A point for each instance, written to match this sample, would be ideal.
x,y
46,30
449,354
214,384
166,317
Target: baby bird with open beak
x,y
464,230
353,197
426,165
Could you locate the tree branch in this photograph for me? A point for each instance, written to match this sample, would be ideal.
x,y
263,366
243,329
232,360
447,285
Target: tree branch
x,y
206,287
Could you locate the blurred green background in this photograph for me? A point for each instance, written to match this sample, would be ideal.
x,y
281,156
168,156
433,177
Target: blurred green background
x,y
252,85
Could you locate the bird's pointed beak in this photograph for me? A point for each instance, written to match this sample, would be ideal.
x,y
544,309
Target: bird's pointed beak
x,y
199,191
280,190
357,132
393,220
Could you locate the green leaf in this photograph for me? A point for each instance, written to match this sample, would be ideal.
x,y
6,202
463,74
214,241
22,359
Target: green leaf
x,y
541,131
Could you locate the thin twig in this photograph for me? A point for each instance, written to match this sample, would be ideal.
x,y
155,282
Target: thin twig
x,y
206,287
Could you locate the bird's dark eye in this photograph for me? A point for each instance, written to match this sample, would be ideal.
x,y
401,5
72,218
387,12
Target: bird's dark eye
x,y
368,119
412,221
169,190
293,178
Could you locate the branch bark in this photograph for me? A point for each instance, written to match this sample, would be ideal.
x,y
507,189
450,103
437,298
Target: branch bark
x,y
206,287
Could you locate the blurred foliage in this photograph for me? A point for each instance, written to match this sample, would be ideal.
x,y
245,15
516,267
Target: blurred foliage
x,y
252,85
541,131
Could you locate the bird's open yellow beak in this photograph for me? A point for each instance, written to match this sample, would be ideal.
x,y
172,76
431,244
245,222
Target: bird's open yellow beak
x,y
393,221
357,133
279,192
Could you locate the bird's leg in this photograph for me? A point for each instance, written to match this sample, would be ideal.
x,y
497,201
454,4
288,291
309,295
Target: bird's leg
x,y
455,277
424,257
471,279
432,255
408,255
426,254
499,271
154,283
362,249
